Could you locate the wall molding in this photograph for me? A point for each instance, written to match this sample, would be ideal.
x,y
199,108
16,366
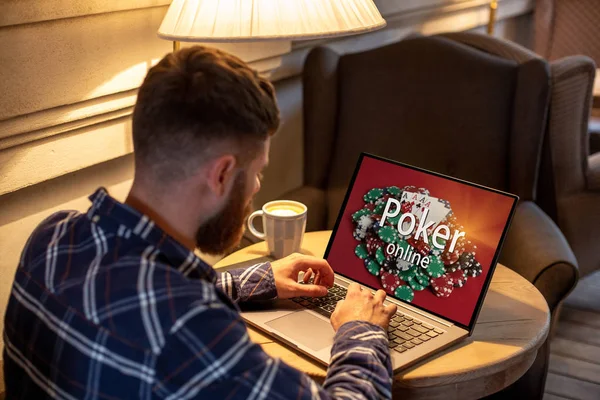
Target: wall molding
x,y
111,104
43,159
63,119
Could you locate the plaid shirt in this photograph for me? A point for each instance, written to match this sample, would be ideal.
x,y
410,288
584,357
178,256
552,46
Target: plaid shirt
x,y
105,305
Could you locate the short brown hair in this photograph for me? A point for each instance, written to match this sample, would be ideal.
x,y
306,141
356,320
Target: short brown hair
x,y
193,99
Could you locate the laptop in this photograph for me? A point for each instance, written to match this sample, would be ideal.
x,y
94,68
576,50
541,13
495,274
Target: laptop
x,y
430,241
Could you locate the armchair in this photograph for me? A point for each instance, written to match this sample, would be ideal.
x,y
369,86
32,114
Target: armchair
x,y
480,114
569,185
563,29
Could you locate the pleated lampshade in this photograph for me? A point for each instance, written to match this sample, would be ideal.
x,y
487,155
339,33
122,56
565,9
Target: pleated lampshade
x,y
254,20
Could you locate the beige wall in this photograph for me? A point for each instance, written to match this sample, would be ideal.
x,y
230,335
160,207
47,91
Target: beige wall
x,y
68,78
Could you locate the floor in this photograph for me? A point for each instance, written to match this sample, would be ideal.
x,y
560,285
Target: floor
x,y
574,371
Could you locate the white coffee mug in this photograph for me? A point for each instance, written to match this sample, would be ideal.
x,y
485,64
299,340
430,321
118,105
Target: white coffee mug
x,y
284,223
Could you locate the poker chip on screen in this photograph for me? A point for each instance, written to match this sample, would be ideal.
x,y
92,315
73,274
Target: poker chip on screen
x,y
466,260
372,195
435,269
389,282
450,258
365,222
392,269
404,293
394,191
361,251
376,226
362,212
446,270
387,234
421,277
373,243
394,220
389,264
458,277
415,285
436,252
380,256
359,234
372,266
379,207
474,270
407,274
453,267
442,286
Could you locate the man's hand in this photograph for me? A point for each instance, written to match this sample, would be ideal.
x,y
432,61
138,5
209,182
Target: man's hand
x,y
362,305
286,271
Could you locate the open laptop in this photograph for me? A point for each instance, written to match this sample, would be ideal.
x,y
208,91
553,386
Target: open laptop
x,y
430,241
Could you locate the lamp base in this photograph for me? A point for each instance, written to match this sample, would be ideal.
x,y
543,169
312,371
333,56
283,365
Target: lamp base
x,y
492,21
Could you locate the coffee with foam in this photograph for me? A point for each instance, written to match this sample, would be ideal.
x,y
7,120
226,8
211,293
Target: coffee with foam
x,y
284,223
283,212
284,208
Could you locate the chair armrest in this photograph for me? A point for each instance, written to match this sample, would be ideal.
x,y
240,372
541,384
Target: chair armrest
x,y
537,249
593,175
316,201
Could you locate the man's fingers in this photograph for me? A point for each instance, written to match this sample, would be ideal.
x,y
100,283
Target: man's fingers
x,y
338,305
318,279
390,309
379,296
326,274
307,274
353,289
310,290
317,265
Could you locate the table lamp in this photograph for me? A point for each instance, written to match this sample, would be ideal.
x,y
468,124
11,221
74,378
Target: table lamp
x,y
492,21
266,20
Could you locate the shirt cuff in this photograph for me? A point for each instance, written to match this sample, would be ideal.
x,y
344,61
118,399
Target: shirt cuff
x,y
360,331
256,282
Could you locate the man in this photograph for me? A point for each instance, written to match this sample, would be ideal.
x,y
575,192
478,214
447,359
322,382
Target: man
x,y
114,304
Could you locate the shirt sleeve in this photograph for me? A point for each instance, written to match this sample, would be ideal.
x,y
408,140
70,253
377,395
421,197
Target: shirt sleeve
x,y
252,283
209,355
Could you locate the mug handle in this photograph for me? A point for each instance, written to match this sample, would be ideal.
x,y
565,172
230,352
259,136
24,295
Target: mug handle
x,y
251,225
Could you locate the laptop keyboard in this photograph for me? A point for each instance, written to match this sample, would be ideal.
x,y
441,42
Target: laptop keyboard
x,y
404,332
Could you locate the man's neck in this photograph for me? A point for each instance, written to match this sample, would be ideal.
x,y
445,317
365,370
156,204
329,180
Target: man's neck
x,y
167,215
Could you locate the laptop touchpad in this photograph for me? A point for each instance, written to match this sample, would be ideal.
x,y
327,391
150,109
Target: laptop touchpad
x,y
305,328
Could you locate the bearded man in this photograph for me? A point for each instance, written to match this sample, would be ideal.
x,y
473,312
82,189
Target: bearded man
x,y
115,304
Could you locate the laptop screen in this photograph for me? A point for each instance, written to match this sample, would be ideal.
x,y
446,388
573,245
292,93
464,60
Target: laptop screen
x,y
427,239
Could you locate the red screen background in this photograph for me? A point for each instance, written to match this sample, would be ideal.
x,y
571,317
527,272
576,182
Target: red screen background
x,y
482,213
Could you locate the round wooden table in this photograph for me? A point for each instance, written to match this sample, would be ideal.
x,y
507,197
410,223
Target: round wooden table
x,y
512,325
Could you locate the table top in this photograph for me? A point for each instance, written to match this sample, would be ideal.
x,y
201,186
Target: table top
x,y
512,325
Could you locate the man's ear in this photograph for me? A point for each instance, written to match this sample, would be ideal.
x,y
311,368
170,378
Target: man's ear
x,y
220,174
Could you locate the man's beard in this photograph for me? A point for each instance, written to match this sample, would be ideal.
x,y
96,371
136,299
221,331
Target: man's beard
x,y
224,231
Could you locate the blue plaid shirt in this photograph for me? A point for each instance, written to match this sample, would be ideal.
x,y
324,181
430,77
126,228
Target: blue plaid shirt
x,y
106,305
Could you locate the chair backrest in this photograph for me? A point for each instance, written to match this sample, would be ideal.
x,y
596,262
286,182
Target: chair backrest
x,y
429,102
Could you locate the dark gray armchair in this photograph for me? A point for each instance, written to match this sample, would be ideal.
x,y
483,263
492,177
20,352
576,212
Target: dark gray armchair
x,y
480,115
